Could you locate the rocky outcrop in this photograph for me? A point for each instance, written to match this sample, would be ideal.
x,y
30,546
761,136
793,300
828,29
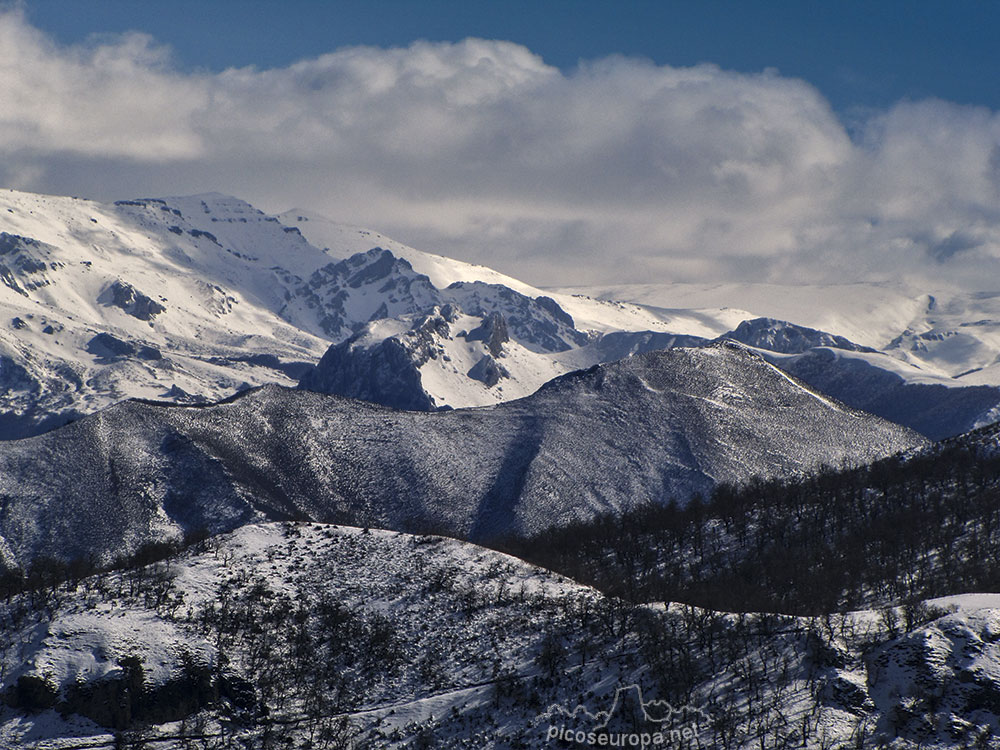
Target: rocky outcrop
x,y
487,371
106,346
125,296
493,333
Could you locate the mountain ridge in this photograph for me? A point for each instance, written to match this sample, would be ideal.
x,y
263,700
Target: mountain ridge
x,y
659,425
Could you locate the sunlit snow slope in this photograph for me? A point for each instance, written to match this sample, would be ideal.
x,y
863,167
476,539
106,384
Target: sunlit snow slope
x,y
184,299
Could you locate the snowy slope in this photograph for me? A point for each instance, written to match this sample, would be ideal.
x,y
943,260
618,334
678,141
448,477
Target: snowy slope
x,y
285,633
944,331
645,429
191,285
589,313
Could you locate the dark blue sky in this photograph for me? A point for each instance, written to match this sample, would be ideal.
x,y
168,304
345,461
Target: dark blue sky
x,y
859,54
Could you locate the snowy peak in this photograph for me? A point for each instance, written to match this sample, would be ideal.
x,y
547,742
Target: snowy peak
x,y
469,344
876,382
343,240
376,285
367,286
787,338
538,323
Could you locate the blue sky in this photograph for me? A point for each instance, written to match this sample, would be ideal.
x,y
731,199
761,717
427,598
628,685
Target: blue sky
x,y
866,53
564,143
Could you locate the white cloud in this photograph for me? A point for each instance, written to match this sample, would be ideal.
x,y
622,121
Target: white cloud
x,y
620,170
116,98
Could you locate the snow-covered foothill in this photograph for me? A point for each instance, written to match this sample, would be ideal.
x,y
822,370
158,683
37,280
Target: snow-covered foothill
x,y
295,632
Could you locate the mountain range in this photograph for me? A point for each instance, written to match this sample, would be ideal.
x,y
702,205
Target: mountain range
x,y
234,443
190,299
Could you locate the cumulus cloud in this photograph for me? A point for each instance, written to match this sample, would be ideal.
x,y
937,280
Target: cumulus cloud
x,y
619,170
111,99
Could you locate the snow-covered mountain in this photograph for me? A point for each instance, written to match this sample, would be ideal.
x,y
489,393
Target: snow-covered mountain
x,y
947,332
934,405
291,634
192,298
648,428
441,354
418,361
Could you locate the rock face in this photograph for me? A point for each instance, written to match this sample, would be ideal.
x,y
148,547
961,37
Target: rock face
x,y
109,347
385,373
492,332
128,298
539,323
487,371
646,429
22,265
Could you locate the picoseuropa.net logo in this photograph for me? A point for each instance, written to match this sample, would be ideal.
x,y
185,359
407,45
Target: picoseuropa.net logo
x,y
629,722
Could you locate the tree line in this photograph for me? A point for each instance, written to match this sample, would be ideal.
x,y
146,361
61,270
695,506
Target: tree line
x,y
898,530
